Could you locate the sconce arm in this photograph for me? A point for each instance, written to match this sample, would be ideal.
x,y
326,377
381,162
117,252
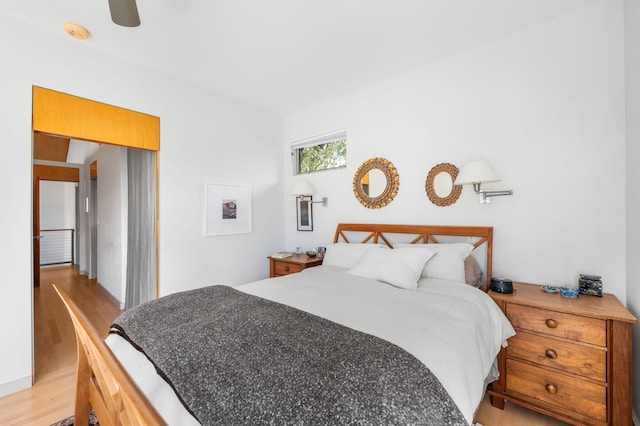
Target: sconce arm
x,y
485,196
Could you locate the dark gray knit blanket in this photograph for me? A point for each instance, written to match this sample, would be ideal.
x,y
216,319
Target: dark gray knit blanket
x,y
234,359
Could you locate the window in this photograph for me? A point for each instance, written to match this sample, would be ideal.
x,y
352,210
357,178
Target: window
x,y
320,153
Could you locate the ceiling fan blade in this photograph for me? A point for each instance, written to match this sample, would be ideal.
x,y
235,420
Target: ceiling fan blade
x,y
124,12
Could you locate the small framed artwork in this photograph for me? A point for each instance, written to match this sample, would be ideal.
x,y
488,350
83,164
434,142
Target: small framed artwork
x,y
305,214
227,209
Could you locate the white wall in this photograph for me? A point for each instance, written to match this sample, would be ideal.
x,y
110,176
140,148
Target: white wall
x,y
57,205
544,105
203,137
112,219
632,75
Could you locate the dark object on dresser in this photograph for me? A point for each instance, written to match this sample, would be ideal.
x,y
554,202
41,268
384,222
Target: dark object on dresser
x,y
590,284
502,285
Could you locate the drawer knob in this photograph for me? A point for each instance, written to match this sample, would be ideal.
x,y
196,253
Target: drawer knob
x,y
286,268
551,323
552,389
550,353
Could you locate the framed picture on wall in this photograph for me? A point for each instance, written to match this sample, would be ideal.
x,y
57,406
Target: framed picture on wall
x,y
304,213
227,209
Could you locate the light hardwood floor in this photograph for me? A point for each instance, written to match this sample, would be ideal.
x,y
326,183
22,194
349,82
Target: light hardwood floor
x,y
512,415
52,395
51,398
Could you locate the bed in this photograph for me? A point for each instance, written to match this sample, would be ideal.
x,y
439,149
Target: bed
x,y
410,335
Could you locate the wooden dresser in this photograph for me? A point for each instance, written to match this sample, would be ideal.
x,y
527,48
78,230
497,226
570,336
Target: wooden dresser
x,y
289,265
570,358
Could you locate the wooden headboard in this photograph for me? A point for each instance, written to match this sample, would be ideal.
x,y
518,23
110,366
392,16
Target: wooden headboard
x,y
418,234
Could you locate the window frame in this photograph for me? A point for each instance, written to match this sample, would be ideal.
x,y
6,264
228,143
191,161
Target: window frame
x,y
297,147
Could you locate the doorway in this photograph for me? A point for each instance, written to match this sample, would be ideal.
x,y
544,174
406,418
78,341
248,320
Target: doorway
x,y
45,173
63,116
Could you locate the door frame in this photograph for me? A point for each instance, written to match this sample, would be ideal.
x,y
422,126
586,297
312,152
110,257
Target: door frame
x,y
60,114
40,173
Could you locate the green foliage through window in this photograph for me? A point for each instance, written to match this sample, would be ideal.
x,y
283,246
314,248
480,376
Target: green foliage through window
x,y
324,152
322,157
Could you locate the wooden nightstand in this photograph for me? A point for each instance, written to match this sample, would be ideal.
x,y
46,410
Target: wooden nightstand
x,y
292,264
570,358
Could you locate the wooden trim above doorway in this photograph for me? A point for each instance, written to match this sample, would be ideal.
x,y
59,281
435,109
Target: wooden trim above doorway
x,y
61,174
61,114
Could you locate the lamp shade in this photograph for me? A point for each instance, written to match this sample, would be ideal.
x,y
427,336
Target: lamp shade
x,y
476,172
302,188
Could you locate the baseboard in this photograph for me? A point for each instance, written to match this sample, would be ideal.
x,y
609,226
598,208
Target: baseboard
x,y
15,386
636,422
110,296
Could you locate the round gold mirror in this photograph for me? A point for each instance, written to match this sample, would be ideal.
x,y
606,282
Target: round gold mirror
x,y
376,183
439,186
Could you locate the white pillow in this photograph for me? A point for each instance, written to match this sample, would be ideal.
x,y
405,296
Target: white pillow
x,y
400,268
345,255
447,264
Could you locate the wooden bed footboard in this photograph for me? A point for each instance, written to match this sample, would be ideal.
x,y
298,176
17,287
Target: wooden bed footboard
x,y
103,385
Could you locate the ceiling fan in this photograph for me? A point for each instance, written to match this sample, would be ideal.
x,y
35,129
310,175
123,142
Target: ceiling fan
x,y
124,12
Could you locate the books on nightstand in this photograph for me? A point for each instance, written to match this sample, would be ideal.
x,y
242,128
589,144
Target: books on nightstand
x,y
281,254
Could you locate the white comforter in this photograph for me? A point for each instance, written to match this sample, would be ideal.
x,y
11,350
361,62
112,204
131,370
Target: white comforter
x,y
454,329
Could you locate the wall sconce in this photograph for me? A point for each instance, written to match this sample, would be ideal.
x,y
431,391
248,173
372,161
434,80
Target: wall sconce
x,y
477,173
303,190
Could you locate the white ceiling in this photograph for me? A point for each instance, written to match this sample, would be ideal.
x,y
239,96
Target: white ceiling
x,y
81,151
284,55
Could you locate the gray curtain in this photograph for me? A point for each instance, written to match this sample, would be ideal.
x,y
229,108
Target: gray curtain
x,y
141,246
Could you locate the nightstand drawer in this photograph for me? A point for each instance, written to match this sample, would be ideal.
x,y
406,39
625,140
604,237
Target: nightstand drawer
x,y
289,265
283,268
573,358
556,389
574,327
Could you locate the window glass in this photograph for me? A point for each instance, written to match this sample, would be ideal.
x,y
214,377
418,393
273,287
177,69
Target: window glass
x,y
320,153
